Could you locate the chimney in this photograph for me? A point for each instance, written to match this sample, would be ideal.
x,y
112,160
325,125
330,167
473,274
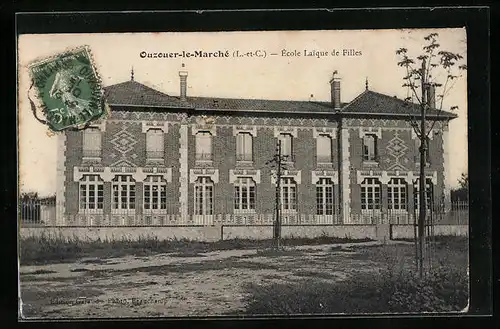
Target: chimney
x,y
183,75
431,96
335,91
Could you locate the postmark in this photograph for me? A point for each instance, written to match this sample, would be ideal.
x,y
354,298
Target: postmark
x,y
68,90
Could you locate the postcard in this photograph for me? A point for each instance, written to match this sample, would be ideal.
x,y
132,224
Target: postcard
x,y
242,173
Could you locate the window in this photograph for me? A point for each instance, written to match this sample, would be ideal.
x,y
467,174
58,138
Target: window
x,y
288,194
244,147
429,194
91,192
370,148
203,146
244,194
324,197
324,149
92,143
396,194
286,146
123,192
203,196
154,144
370,194
155,193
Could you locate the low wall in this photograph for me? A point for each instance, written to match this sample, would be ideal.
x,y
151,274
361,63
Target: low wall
x,y
407,231
196,233
215,233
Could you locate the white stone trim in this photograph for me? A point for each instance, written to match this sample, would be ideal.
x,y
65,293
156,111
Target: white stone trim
x,y
385,176
108,173
446,169
101,126
245,129
204,172
183,172
196,128
60,178
285,130
236,173
146,125
370,130
317,174
346,177
332,132
295,174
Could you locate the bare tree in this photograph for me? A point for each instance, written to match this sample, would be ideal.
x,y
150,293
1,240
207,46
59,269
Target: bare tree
x,y
427,87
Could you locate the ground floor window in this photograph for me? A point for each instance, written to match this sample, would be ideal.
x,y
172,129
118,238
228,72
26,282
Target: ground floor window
x,y
370,194
155,193
288,194
244,194
123,192
324,196
91,192
396,194
203,196
429,194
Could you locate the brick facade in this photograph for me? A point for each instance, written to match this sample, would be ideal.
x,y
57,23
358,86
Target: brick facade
x,y
123,145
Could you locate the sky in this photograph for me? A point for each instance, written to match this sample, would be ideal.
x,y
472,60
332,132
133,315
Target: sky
x,y
272,77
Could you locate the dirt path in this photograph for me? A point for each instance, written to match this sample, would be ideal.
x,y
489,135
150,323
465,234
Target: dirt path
x,y
203,284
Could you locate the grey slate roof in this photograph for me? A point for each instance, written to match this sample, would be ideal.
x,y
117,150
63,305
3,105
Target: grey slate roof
x,y
132,93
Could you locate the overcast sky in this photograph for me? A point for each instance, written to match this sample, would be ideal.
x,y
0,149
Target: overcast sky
x,y
273,77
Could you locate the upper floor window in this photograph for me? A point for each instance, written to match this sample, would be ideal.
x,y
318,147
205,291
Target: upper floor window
x,y
203,145
396,194
203,196
123,192
324,196
154,144
91,192
286,146
288,194
324,149
429,194
370,152
244,147
92,143
244,194
370,194
155,193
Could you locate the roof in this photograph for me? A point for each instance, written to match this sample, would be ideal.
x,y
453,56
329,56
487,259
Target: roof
x,y
132,93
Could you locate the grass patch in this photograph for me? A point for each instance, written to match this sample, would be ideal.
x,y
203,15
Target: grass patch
x,y
45,249
38,272
395,287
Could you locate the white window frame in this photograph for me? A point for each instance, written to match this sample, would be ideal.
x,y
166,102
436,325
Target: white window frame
x,y
88,184
397,195
320,156
203,155
370,188
325,197
429,194
204,196
155,152
244,195
367,157
288,199
119,185
244,147
152,184
92,143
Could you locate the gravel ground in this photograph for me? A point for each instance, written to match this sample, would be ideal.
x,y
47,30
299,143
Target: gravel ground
x,y
176,284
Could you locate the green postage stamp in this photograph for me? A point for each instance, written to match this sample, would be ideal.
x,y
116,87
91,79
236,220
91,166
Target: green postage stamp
x,y
69,91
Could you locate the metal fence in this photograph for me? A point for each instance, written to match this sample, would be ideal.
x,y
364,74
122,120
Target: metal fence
x,y
45,213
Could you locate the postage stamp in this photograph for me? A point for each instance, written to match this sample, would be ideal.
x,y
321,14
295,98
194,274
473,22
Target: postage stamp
x,y
69,89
